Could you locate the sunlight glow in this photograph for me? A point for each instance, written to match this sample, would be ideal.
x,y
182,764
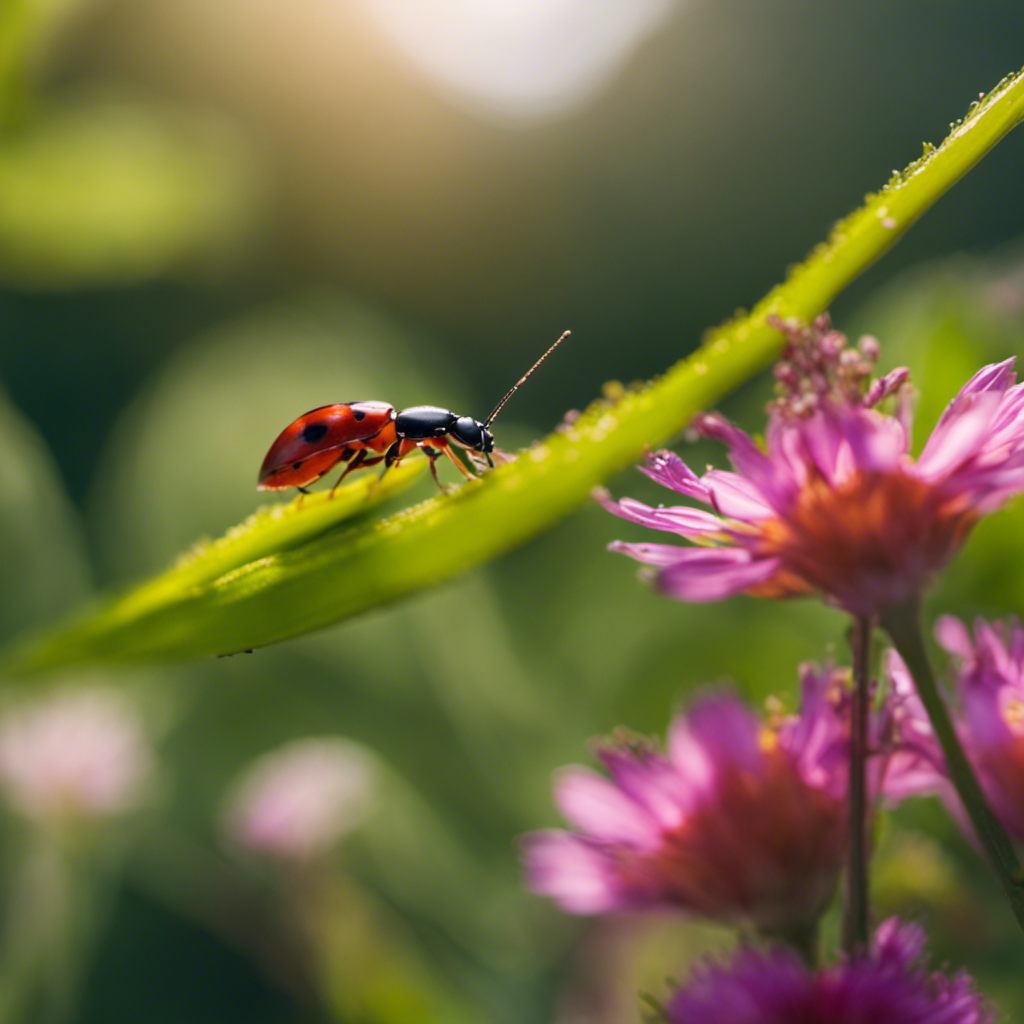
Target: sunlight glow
x,y
520,58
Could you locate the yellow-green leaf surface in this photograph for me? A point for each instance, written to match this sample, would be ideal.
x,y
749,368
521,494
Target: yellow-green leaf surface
x,y
265,585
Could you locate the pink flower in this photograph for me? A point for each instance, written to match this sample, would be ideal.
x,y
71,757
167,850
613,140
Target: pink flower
x,y
73,756
989,682
774,986
835,504
740,820
296,802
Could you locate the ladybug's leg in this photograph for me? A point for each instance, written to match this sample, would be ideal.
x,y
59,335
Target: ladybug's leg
x,y
396,452
433,455
389,458
445,447
359,460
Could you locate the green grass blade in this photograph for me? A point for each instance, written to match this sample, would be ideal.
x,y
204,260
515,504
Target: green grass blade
x,y
275,586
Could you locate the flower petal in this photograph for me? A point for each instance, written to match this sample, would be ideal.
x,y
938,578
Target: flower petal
x,y
688,522
727,729
652,554
570,870
735,497
666,468
710,574
599,807
959,435
748,459
954,637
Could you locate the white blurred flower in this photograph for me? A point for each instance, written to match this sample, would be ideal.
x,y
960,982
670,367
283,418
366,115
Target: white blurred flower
x,y
73,756
296,802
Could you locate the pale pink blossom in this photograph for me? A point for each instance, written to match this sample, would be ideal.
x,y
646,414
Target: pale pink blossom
x,y
75,755
296,802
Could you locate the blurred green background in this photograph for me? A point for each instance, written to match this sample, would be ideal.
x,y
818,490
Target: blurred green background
x,y
216,216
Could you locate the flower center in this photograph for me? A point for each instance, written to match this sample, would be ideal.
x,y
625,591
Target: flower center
x,y
732,859
870,542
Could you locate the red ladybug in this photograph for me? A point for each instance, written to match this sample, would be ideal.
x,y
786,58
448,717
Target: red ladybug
x,y
352,432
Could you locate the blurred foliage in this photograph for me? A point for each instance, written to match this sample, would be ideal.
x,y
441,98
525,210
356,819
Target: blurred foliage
x,y
27,29
105,189
98,187
473,693
41,539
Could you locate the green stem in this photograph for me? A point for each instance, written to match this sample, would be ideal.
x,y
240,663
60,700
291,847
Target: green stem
x,y
903,626
856,920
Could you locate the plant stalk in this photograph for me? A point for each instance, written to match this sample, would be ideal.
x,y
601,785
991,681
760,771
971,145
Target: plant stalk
x,y
856,918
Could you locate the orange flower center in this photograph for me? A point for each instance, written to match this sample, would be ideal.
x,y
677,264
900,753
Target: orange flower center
x,y
870,542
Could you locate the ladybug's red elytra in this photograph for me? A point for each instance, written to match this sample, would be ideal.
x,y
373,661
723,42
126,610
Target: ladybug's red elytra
x,y
366,433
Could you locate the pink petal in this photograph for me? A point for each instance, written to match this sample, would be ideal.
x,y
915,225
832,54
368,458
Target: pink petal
x,y
711,574
748,459
689,755
666,468
983,716
727,729
994,377
878,442
651,781
652,554
959,434
571,871
599,808
736,497
689,522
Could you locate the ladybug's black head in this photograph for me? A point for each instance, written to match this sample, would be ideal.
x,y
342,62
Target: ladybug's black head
x,y
472,434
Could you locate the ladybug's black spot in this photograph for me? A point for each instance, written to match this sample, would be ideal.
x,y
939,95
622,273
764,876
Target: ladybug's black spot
x,y
313,433
297,465
359,414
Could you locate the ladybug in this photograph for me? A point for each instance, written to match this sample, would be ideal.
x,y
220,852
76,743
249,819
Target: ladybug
x,y
366,433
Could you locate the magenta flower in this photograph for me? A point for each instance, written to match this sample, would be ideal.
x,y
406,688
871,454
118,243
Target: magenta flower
x,y
834,503
739,821
775,987
990,686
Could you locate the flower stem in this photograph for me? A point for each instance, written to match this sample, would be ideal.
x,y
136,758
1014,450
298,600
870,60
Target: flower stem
x,y
903,626
855,921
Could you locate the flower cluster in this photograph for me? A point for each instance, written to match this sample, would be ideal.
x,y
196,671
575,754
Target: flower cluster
x,y
751,822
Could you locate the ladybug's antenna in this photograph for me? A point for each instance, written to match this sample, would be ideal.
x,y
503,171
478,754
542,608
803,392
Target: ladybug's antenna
x,y
512,390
